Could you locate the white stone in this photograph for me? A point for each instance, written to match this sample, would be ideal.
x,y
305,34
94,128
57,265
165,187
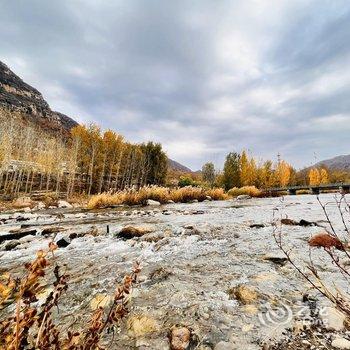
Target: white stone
x,y
152,202
64,204
332,318
341,343
243,197
40,206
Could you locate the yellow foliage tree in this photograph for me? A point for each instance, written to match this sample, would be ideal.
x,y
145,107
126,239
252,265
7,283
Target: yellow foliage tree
x,y
324,179
244,169
249,171
283,173
314,177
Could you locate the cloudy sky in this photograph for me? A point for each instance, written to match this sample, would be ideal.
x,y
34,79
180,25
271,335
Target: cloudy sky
x,y
201,77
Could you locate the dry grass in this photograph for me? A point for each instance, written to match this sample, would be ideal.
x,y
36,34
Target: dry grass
x,y
217,194
303,192
160,194
245,190
34,326
333,241
325,240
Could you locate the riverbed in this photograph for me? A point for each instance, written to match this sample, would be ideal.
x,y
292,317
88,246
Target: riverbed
x,y
194,259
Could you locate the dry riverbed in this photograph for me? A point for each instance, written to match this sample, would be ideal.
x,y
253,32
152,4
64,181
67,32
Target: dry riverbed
x,y
212,267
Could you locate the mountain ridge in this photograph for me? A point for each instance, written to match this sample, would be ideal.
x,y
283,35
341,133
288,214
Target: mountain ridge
x,y
18,96
341,162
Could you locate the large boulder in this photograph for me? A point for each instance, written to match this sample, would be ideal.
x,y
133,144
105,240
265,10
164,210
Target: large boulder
x,y
130,232
22,202
244,294
63,243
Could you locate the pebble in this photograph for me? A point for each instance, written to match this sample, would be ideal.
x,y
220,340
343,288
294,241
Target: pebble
x,y
341,343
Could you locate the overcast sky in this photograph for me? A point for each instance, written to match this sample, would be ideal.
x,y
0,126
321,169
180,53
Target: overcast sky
x,y
201,77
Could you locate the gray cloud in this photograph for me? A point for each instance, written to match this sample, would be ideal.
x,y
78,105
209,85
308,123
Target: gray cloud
x,y
202,77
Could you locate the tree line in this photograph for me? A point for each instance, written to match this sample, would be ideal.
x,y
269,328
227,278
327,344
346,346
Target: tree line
x,y
242,169
88,161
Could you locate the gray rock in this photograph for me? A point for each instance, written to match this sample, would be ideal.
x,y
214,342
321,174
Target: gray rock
x,y
277,258
243,197
152,202
11,245
63,204
256,225
154,236
197,212
63,243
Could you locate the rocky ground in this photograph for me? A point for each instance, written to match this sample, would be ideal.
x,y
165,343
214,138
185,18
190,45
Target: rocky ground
x,y
211,269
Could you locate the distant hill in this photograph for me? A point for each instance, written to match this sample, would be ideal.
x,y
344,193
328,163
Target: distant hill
x,y
21,99
337,163
175,166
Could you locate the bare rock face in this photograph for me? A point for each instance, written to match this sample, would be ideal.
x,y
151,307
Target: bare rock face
x,y
17,96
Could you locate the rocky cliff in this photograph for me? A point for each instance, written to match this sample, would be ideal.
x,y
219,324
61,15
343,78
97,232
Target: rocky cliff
x,y
18,99
26,101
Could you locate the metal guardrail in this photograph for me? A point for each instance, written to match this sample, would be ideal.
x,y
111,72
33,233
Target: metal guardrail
x,y
309,187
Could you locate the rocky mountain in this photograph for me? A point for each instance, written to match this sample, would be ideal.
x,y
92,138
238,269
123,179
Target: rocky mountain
x,y
17,96
175,166
336,163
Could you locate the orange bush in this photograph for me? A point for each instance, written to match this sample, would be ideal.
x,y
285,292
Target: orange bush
x,y
326,241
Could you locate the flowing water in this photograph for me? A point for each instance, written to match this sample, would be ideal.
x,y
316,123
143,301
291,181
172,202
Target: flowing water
x,y
192,260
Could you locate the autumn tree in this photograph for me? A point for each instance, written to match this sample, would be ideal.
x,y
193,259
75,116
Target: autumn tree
x,y
265,175
324,179
314,177
283,173
208,173
249,171
232,172
156,163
